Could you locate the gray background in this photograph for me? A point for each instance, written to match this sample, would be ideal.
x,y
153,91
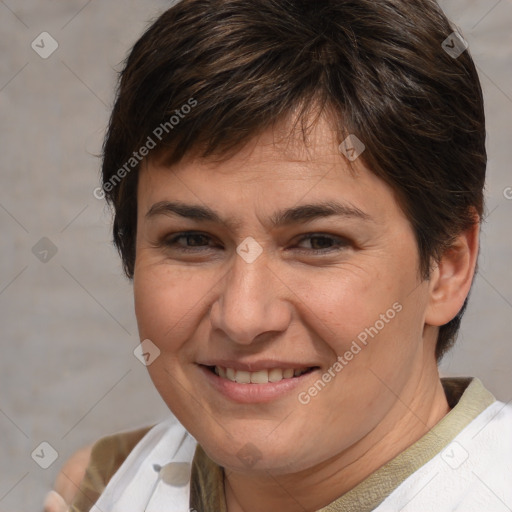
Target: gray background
x,y
67,371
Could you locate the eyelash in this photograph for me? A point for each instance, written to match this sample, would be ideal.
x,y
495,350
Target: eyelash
x,y
339,242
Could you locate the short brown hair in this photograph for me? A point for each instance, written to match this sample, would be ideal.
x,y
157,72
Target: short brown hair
x,y
377,69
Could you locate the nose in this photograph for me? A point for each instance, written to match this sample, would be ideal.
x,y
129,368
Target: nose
x,y
251,302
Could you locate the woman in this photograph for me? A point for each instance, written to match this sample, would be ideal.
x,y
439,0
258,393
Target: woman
x,y
298,188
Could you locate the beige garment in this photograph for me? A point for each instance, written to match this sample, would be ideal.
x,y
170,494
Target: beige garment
x,y
466,396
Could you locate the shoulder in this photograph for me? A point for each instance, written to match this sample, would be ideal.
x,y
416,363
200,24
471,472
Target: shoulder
x,y
106,456
496,428
72,473
109,452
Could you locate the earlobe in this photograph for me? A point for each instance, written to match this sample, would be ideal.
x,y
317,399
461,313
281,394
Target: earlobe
x,y
451,280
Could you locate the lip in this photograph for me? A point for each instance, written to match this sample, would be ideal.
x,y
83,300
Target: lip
x,y
255,393
256,366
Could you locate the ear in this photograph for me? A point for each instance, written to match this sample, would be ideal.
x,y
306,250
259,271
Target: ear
x,y
451,280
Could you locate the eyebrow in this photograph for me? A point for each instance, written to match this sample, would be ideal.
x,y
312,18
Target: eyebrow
x,y
295,215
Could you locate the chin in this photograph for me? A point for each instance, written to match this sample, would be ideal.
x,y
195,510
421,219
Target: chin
x,y
253,456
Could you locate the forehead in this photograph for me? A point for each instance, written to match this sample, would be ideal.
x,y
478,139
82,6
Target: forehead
x,y
275,170
284,152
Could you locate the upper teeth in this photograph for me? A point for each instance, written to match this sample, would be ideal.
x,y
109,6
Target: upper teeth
x,y
259,377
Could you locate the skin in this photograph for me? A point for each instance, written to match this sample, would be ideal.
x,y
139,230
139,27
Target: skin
x,y
292,304
68,481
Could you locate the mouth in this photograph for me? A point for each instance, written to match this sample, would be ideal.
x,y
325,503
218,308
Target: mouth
x,y
265,376
253,383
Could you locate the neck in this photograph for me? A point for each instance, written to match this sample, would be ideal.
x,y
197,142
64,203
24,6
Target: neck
x,y
419,408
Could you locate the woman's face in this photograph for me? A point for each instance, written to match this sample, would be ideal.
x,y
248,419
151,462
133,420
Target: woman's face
x,y
278,261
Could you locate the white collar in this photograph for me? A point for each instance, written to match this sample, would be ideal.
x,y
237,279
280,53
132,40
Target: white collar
x,y
156,474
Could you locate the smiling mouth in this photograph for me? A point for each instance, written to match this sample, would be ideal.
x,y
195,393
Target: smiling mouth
x,y
260,377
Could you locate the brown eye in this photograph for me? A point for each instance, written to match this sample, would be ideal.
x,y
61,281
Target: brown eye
x,y
195,240
190,241
322,243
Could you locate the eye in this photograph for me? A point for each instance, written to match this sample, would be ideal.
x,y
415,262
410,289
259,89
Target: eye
x,y
322,243
188,242
194,242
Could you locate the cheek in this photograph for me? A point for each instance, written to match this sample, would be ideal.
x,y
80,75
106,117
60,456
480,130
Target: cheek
x,y
339,305
369,317
168,304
